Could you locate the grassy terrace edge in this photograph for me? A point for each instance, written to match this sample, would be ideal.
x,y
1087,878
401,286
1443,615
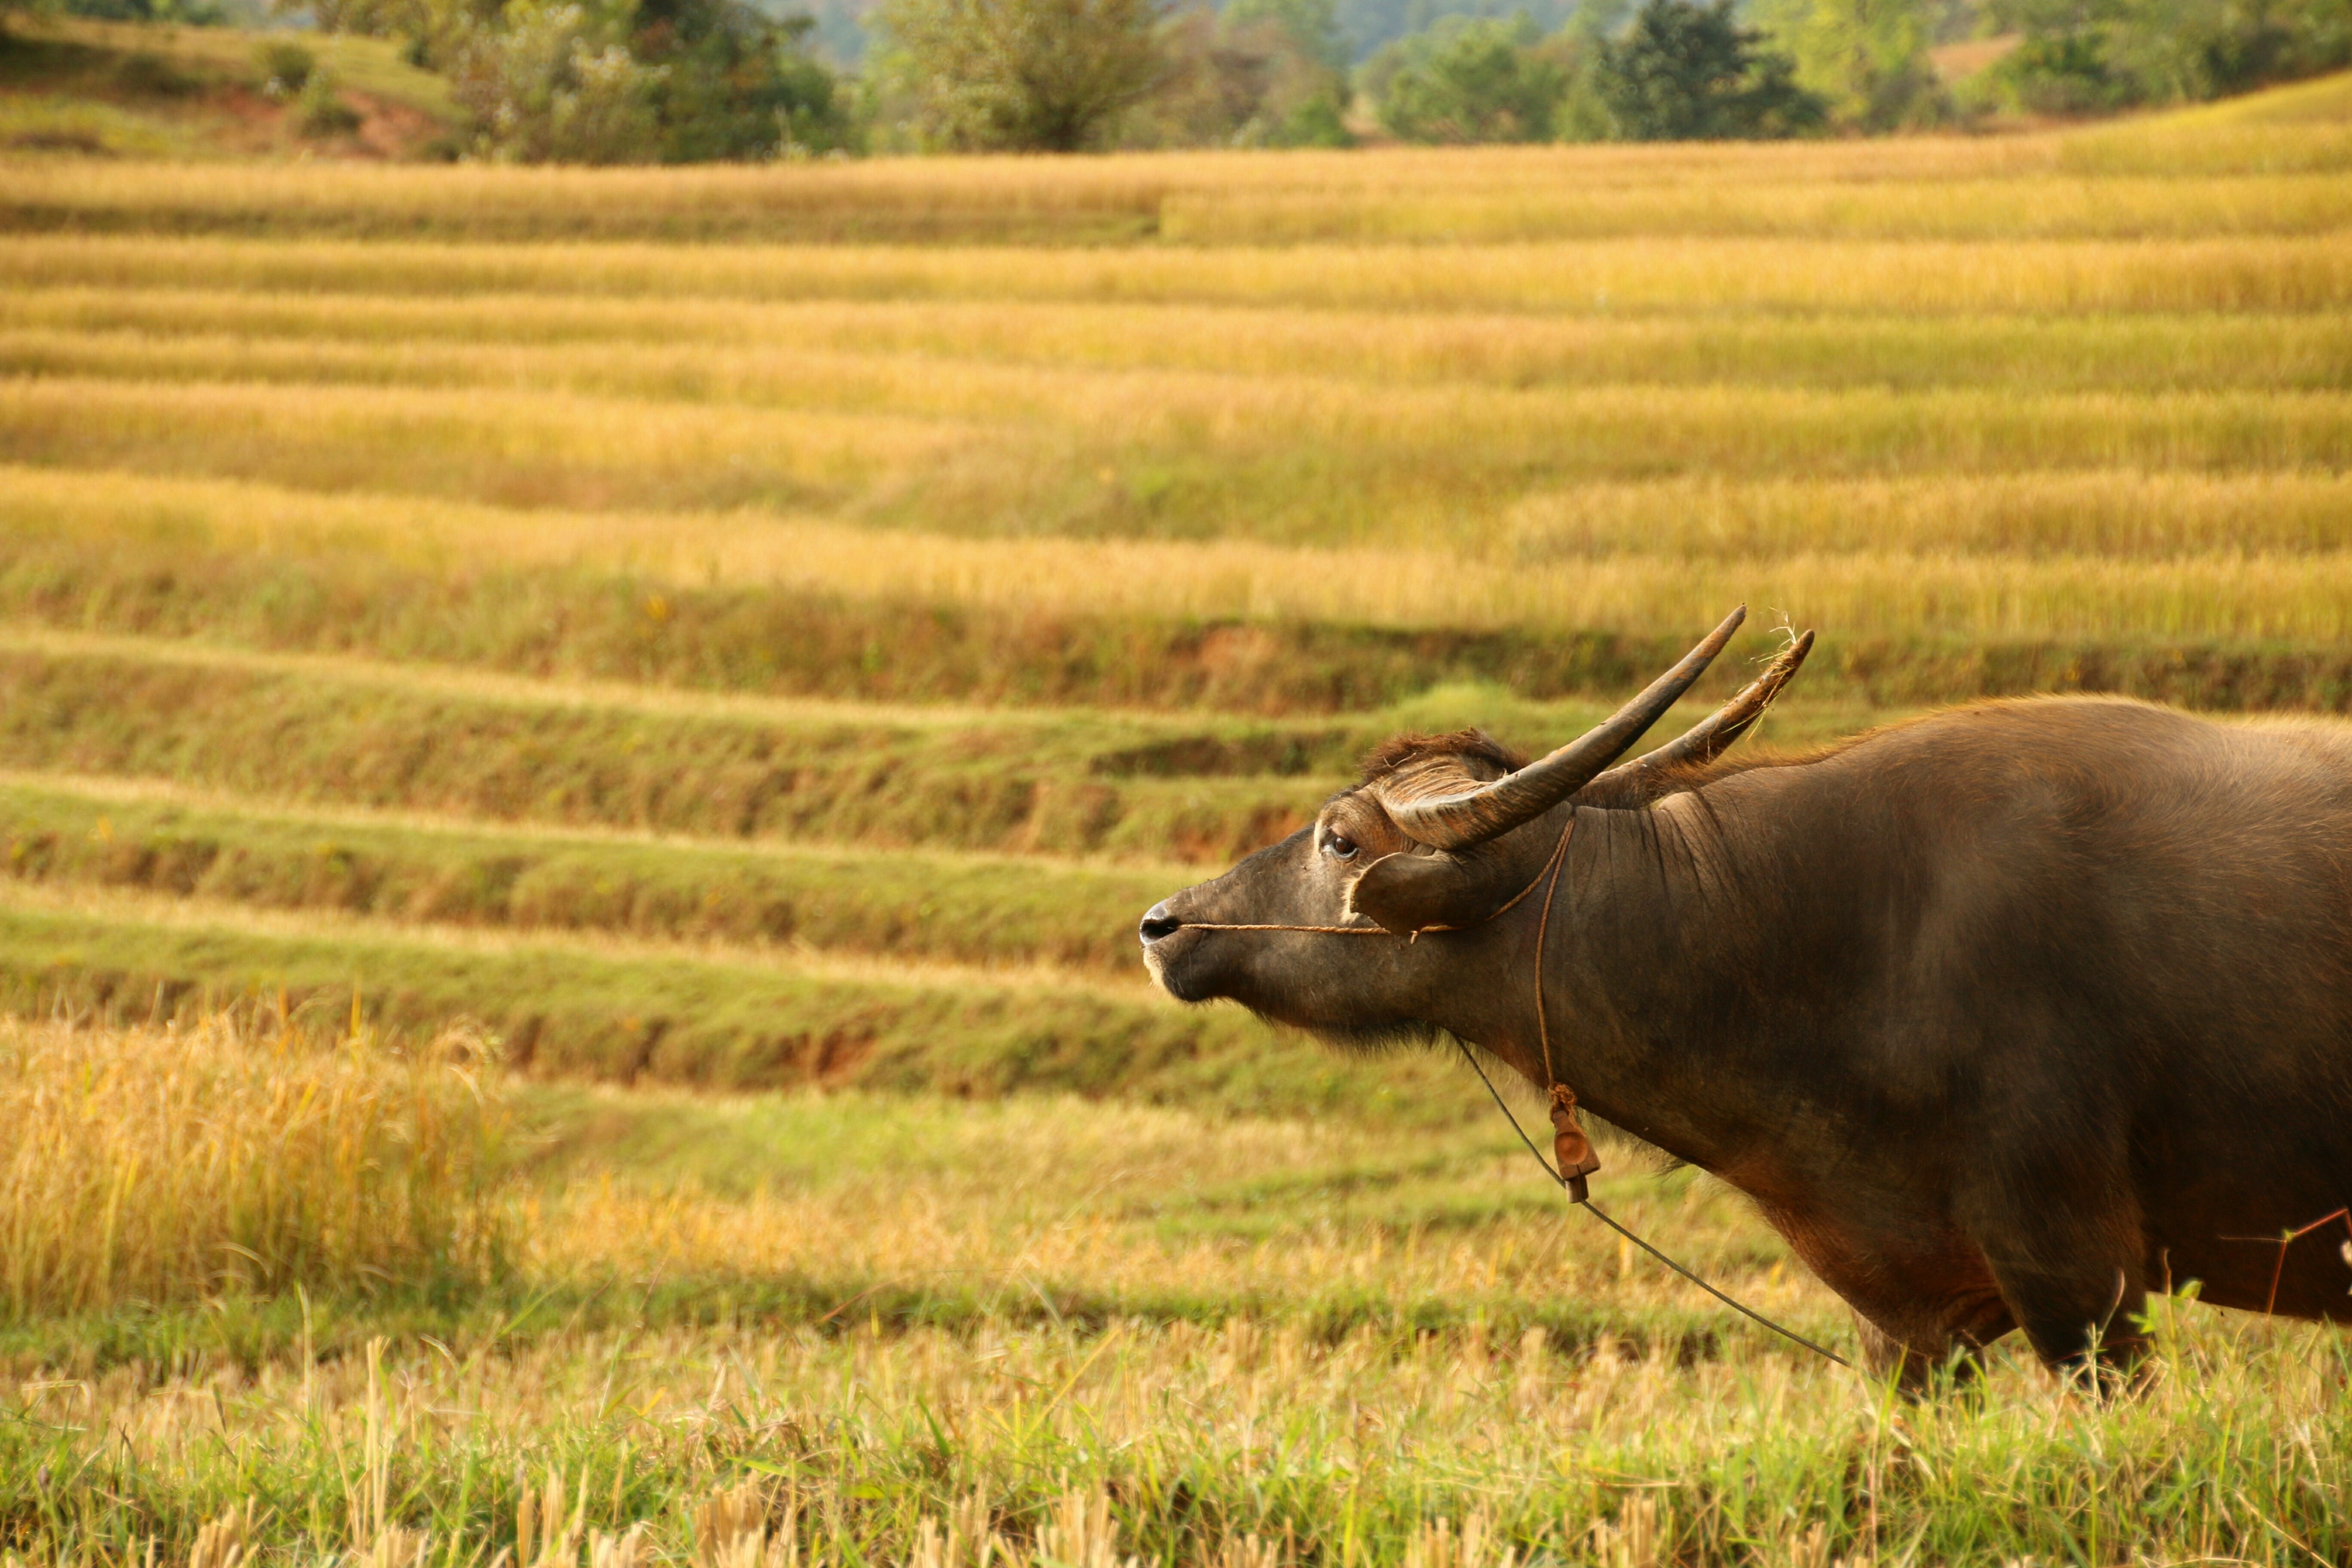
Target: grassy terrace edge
x,y
958,909
578,624
562,1010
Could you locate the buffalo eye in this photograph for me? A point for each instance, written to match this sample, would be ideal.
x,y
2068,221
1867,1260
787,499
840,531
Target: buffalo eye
x,y
1339,846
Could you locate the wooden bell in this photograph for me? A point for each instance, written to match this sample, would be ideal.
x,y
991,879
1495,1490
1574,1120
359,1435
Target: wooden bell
x,y
1570,1148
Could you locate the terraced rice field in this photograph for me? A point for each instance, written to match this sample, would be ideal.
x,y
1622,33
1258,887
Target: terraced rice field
x,y
742,646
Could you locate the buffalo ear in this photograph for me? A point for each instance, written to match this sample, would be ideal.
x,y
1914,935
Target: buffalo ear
x,y
1407,893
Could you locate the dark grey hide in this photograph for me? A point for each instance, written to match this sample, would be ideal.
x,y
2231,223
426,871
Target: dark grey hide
x,y
2004,1017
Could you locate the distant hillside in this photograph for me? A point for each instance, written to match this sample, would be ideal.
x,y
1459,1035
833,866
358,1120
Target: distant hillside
x,y
1366,24
842,29
142,90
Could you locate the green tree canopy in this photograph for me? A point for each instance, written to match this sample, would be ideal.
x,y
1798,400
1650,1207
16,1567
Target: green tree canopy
x,y
1049,76
1468,80
618,82
1690,72
1311,25
1244,78
1866,59
2081,56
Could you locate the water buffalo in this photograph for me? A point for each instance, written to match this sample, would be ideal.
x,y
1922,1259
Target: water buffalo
x,y
2002,1017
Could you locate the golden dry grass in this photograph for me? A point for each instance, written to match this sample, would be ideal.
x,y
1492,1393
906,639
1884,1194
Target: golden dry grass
x,y
2108,555
490,443
2118,353
174,1164
1135,184
1714,427
1932,393
1569,195
996,1199
1026,450
1582,1460
426,938
1854,188
1216,1404
1880,209
1932,278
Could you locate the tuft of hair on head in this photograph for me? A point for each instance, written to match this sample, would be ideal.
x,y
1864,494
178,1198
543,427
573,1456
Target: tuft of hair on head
x,y
1471,745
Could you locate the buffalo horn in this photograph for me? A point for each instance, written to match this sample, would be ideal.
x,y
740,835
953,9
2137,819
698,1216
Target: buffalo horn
x,y
1711,736
1473,816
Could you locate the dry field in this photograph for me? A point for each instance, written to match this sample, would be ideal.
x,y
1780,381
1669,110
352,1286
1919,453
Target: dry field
x,y
579,751
639,1326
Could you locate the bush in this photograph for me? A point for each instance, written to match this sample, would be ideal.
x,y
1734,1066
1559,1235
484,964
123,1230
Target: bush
x,y
1867,59
1687,72
551,84
151,76
620,82
320,109
1241,79
182,12
1468,80
735,84
1045,76
285,67
2080,56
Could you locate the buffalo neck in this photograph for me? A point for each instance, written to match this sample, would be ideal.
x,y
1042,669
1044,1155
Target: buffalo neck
x,y
1673,995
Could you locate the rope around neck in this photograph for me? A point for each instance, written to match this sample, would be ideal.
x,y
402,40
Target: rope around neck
x,y
1602,1215
1563,1098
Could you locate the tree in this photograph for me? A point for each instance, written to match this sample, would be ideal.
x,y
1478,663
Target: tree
x,y
1867,59
1240,80
1311,25
1687,72
618,82
2083,56
735,82
1046,76
1465,81
553,83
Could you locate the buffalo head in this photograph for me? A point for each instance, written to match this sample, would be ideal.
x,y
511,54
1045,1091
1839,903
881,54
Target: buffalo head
x,y
1442,833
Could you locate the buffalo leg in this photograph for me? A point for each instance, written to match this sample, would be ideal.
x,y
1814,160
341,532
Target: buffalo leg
x,y
1913,1363
1915,1341
2080,1322
2074,1278
1923,1299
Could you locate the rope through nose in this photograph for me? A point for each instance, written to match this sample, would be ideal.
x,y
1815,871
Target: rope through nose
x,y
1570,1138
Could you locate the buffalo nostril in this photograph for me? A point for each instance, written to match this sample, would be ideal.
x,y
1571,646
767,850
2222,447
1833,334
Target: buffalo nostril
x,y
1157,923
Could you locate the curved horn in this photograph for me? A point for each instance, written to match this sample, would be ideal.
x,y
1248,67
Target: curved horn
x,y
1712,736
1473,816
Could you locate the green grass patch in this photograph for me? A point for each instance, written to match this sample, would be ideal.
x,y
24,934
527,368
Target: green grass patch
x,y
902,904
1195,1438
159,92
158,579
59,122
1037,782
565,1010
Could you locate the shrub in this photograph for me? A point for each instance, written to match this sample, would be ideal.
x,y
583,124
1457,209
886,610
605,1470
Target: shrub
x,y
1468,80
151,76
320,108
619,81
182,12
1867,59
2086,56
1046,76
285,67
735,84
1241,79
552,84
